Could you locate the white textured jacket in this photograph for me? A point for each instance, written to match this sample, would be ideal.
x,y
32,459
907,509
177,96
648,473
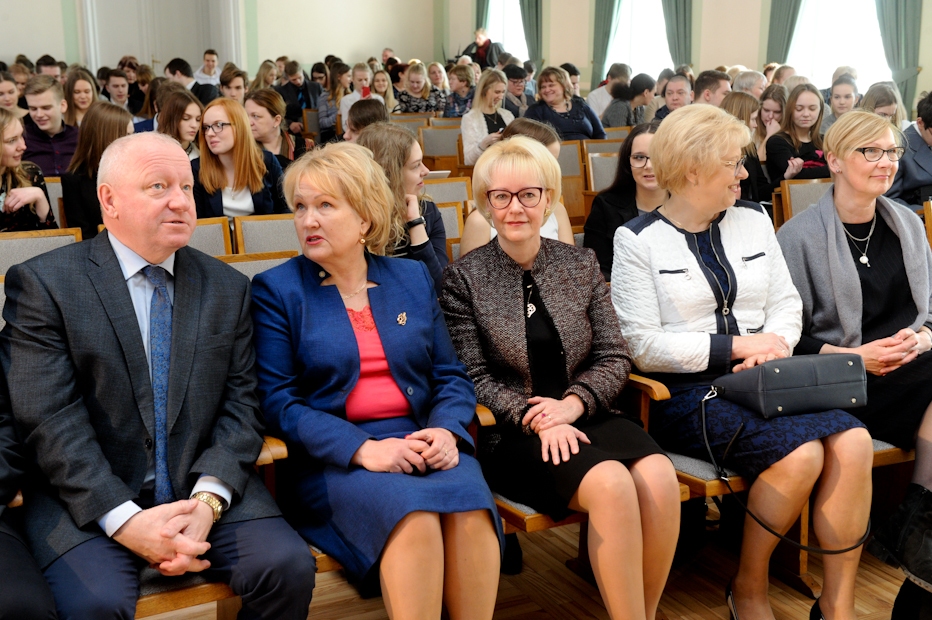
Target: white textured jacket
x,y
475,130
673,313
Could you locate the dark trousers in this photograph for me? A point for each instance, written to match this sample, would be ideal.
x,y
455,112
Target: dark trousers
x,y
24,595
264,561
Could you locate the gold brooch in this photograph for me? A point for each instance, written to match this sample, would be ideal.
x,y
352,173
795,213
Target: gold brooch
x,y
402,318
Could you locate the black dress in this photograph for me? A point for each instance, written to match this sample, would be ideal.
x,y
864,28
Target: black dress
x,y
516,468
610,210
25,218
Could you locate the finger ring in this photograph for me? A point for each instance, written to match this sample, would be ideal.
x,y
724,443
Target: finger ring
x,y
543,415
445,452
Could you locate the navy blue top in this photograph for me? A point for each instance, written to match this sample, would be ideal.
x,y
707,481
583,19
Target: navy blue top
x,y
580,123
266,201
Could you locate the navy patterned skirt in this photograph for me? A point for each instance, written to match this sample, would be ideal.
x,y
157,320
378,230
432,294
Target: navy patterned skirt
x,y
676,424
350,513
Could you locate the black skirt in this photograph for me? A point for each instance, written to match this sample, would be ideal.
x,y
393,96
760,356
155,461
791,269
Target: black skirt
x,y
897,402
516,469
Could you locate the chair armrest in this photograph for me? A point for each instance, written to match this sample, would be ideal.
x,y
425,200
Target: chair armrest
x,y
654,389
273,449
484,416
17,501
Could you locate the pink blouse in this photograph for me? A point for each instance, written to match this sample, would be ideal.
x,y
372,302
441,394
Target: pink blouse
x,y
376,396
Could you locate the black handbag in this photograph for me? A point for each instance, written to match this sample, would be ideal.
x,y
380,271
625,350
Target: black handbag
x,y
791,386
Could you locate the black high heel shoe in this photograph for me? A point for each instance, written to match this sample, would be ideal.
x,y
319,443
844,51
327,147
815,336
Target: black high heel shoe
x,y
730,601
815,613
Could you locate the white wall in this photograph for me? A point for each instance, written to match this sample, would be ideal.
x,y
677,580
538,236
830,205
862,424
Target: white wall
x,y
308,30
728,33
19,35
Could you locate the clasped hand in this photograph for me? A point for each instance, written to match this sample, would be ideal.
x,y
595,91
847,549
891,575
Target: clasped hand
x,y
433,448
883,356
170,536
757,349
552,420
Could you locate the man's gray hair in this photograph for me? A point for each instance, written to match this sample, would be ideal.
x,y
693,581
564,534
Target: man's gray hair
x,y
115,161
747,80
618,70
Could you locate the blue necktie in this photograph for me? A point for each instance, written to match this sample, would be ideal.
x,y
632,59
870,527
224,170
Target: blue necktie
x,y
160,349
301,101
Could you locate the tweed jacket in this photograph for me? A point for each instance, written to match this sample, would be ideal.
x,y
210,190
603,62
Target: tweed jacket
x,y
81,392
483,300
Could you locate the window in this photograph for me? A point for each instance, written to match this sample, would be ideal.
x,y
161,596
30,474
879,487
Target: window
x,y
831,33
640,38
507,27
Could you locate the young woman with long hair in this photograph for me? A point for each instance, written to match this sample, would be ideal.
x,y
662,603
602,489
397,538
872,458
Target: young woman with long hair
x,y
24,201
772,104
329,105
382,86
796,152
420,95
80,93
234,176
746,109
265,76
9,95
266,111
180,118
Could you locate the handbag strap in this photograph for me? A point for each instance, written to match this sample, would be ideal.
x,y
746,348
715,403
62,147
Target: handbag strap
x,y
723,476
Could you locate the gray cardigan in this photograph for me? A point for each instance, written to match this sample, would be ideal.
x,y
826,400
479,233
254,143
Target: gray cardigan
x,y
820,264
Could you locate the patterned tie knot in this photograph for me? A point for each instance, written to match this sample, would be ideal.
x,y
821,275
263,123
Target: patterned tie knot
x,y
155,274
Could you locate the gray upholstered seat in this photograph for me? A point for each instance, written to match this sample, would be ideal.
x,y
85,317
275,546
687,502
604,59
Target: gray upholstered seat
x,y
18,250
252,268
268,235
602,168
439,141
804,195
569,159
454,189
521,507
212,238
452,218
446,122
610,145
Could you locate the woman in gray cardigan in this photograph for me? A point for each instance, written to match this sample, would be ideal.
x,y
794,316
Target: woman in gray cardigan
x,y
863,268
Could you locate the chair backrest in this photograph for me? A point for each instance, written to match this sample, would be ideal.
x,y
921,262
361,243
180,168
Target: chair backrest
x,y
452,215
265,233
571,166
452,189
53,186
404,115
62,218
445,122
311,121
617,132
18,247
438,140
461,168
570,159
578,236
453,248
611,145
799,195
212,236
410,123
2,300
251,265
602,169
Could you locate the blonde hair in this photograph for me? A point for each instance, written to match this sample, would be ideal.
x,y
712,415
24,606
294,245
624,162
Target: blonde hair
x,y
389,94
7,118
743,106
445,84
489,78
347,171
264,69
693,138
248,163
856,128
518,155
418,68
882,94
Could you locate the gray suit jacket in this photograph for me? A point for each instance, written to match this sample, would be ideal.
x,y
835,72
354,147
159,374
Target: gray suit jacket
x,y
915,171
81,393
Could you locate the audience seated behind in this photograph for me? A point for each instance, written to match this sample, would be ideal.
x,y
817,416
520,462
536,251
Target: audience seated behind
x,y
416,225
208,72
130,66
558,106
265,109
178,70
118,87
516,101
438,78
229,151
552,403
626,109
362,114
158,91
50,143
328,106
687,346
711,87
888,319
751,82
26,204
772,104
796,152
180,118
677,93
843,96
883,99
233,83
299,93
9,95
573,72
599,98
483,51
80,93
478,229
483,124
658,101
743,106
320,74
362,77
459,101
382,86
420,95
634,193
913,182
350,495
266,76
103,124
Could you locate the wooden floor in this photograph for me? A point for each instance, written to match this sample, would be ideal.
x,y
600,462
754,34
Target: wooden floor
x,y
547,589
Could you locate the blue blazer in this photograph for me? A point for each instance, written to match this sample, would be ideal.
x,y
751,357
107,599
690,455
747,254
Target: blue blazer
x,y
266,201
308,360
915,171
144,125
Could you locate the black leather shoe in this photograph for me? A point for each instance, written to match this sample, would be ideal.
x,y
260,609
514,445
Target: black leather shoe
x,y
905,540
815,613
730,601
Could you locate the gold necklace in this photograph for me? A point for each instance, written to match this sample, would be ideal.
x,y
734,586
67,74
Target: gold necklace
x,y
666,213
356,292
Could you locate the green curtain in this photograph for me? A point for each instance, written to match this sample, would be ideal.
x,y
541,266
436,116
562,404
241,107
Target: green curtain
x,y
783,16
678,15
482,14
532,14
606,21
899,29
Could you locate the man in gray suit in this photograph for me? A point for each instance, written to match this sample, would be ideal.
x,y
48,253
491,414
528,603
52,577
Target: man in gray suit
x,y
130,364
913,182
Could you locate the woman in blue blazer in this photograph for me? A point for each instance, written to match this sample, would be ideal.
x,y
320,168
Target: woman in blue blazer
x,y
233,176
358,374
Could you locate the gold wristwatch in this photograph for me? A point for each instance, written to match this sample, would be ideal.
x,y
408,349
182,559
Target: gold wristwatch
x,y
215,504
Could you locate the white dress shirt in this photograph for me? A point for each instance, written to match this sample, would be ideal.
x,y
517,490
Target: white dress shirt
x,y
140,292
599,99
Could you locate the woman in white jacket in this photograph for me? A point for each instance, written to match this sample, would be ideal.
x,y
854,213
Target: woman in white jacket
x,y
483,125
701,289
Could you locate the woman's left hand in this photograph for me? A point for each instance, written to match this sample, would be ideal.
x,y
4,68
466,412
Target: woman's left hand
x,y
413,209
441,452
549,412
755,360
20,197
